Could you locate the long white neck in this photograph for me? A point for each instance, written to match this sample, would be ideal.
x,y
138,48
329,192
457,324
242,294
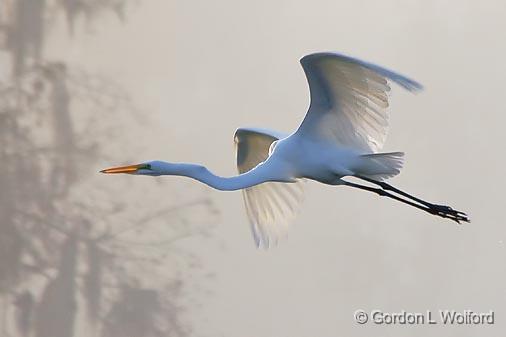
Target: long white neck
x,y
258,175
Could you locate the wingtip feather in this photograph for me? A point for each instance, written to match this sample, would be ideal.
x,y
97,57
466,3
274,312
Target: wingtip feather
x,y
403,81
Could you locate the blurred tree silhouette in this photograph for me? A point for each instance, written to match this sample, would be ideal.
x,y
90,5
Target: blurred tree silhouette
x,y
66,267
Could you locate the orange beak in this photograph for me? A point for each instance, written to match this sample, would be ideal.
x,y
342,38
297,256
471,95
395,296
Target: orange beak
x,y
123,169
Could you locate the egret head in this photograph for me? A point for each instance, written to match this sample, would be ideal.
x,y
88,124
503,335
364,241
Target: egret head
x,y
150,168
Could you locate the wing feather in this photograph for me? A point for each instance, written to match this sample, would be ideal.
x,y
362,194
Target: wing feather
x,y
270,206
349,100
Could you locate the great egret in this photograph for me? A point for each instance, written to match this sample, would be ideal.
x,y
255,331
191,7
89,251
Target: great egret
x,y
340,136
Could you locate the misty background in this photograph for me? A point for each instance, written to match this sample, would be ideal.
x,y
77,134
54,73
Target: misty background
x,y
86,85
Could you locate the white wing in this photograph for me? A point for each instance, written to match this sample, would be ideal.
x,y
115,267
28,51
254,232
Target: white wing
x,y
270,206
348,100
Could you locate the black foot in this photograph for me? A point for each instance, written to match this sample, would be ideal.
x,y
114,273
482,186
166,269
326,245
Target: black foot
x,y
449,213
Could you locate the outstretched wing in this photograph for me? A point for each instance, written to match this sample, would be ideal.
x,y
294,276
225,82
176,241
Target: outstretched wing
x,y
270,206
349,100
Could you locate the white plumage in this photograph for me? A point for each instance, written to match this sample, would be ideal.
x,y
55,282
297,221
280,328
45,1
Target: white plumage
x,y
270,206
345,127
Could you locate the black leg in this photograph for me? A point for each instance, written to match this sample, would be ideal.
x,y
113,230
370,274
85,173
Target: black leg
x,y
444,213
437,208
388,187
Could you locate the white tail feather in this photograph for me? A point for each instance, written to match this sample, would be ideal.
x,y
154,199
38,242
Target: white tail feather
x,y
381,166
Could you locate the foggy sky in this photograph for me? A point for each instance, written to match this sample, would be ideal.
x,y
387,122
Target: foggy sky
x,y
199,70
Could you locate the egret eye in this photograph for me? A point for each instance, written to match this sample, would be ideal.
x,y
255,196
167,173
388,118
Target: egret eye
x,y
147,167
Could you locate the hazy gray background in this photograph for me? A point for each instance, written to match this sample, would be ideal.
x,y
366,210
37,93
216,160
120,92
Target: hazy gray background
x,y
195,71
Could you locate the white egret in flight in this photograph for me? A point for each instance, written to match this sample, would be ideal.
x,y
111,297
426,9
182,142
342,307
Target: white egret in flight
x,y
341,135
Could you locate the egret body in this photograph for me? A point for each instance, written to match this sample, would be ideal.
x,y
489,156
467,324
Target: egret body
x,y
341,136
